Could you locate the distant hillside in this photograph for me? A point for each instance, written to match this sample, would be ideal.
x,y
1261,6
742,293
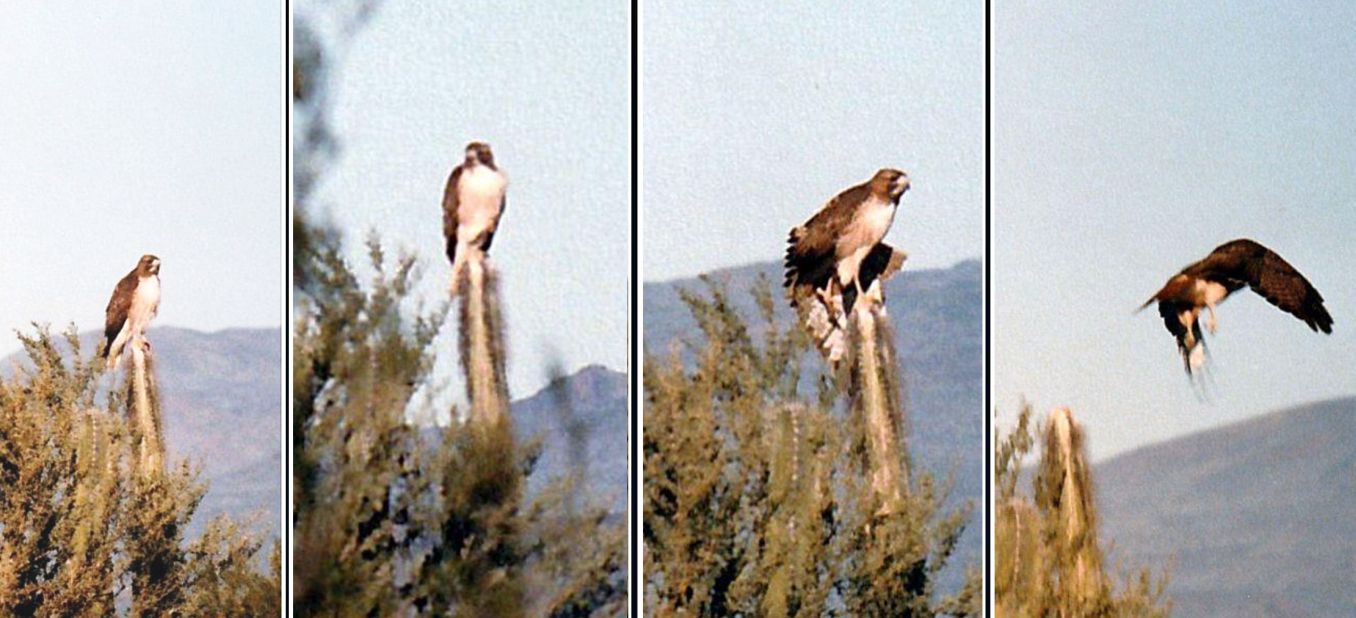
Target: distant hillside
x,y
937,319
1258,515
597,407
222,409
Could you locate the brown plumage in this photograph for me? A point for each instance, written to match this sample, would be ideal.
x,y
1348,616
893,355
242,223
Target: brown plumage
x,y
1230,267
135,301
828,250
115,314
822,312
837,256
473,201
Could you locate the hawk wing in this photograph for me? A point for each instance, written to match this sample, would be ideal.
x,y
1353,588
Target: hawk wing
x,y
115,315
494,227
824,314
1245,262
450,213
880,263
811,251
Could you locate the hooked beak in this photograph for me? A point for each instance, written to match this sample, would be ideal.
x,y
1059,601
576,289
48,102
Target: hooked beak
x,y
901,185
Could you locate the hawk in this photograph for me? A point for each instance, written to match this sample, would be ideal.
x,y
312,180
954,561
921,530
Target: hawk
x,y
473,201
837,256
135,302
1230,267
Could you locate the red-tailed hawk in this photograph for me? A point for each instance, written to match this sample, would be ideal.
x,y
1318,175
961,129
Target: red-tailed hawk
x,y
837,256
1230,267
135,301
472,204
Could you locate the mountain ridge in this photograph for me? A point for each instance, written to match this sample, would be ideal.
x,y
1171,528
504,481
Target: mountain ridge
x,y
592,402
1253,516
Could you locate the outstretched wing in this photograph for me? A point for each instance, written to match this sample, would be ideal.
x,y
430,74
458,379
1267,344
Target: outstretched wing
x,y
450,213
1245,262
115,315
811,251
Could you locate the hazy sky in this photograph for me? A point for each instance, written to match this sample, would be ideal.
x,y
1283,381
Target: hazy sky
x,y
1129,140
549,88
147,128
755,114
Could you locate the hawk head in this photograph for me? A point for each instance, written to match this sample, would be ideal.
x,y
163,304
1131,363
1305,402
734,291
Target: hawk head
x,y
890,183
148,265
478,153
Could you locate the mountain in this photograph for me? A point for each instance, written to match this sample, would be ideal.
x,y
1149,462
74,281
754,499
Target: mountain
x,y
221,397
937,316
1255,517
596,411
223,407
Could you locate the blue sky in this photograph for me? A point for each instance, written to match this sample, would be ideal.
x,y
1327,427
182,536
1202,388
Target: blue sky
x,y
754,114
154,128
549,88
1129,140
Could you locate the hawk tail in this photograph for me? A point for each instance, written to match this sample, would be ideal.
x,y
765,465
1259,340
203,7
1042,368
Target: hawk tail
x,y
806,265
823,318
789,262
1191,344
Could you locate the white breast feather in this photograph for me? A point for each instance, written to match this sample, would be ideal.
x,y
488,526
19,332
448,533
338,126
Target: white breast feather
x,y
877,215
867,228
145,303
480,192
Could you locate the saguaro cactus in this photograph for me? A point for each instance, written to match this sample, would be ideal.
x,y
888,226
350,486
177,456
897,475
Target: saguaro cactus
x,y
143,412
482,345
92,539
876,397
1048,559
491,538
1064,496
799,470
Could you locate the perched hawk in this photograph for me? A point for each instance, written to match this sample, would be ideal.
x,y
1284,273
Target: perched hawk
x,y
134,302
1230,267
837,256
472,204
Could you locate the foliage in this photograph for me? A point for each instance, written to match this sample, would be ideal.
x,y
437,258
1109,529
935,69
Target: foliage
x,y
392,518
761,502
83,529
1048,560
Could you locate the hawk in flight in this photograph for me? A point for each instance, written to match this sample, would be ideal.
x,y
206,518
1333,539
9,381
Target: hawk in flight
x,y
837,256
472,204
1230,267
135,302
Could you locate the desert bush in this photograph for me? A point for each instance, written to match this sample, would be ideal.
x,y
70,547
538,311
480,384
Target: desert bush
x,y
763,501
86,528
